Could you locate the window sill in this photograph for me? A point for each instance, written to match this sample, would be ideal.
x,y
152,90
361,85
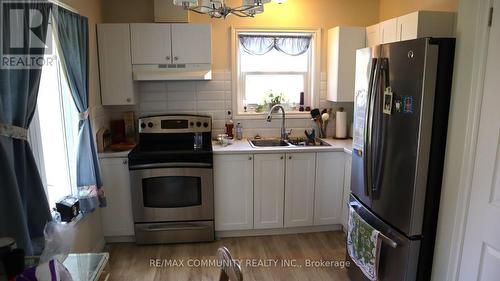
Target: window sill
x,y
80,218
259,116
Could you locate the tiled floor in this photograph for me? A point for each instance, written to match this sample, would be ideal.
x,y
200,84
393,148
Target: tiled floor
x,y
262,258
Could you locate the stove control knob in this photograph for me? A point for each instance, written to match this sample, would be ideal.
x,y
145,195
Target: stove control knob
x,y
150,124
198,124
205,124
143,125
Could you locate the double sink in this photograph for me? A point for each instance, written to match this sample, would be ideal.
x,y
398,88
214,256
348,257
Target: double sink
x,y
256,143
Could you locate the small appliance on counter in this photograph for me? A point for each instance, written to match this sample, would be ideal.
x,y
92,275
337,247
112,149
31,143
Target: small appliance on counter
x,y
103,139
120,137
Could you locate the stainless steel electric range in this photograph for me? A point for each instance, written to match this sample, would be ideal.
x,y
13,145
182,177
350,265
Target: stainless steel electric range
x,y
171,173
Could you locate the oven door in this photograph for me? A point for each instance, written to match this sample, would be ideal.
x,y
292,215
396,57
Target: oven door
x,y
172,194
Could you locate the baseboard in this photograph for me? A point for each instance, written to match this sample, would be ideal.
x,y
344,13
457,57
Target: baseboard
x,y
277,231
119,239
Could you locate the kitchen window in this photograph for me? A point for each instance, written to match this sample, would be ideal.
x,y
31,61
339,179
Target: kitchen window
x,y
53,133
275,67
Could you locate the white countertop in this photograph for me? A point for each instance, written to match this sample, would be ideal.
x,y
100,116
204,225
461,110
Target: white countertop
x,y
243,146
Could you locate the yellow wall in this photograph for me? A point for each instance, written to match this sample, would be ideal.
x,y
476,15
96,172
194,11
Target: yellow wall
x,y
294,13
128,10
394,8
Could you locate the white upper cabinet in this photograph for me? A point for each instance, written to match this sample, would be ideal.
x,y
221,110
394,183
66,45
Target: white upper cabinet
x,y
342,45
269,188
388,31
329,188
411,26
425,24
151,43
233,181
161,43
115,67
192,43
299,189
373,35
407,27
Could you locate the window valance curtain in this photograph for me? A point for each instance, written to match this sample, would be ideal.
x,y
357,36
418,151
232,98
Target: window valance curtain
x,y
262,44
73,43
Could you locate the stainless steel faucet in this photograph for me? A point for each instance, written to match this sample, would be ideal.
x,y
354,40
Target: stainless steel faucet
x,y
284,134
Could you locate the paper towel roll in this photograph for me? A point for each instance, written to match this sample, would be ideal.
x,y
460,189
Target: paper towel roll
x,y
341,125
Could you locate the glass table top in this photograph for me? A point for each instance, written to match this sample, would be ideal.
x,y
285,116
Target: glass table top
x,y
86,267
82,267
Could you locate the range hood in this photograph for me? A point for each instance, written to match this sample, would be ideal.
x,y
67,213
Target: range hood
x,y
171,72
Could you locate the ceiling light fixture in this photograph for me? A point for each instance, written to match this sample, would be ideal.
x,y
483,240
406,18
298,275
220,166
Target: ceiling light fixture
x,y
217,8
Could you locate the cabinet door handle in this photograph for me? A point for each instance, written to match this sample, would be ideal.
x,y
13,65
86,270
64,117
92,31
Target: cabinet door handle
x,y
176,58
250,158
168,57
289,157
128,99
281,157
125,162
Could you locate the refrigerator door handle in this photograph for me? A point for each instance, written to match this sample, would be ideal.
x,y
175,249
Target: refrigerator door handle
x,y
383,237
377,164
367,159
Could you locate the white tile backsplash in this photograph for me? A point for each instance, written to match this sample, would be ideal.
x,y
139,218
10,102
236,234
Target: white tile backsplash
x,y
153,106
211,95
214,98
181,106
180,96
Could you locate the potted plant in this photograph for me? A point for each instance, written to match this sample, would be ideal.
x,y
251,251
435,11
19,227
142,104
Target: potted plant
x,y
273,99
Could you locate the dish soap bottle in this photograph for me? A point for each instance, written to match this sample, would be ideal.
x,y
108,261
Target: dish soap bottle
x,y
229,125
239,131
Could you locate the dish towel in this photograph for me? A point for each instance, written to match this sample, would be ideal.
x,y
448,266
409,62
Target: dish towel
x,y
363,245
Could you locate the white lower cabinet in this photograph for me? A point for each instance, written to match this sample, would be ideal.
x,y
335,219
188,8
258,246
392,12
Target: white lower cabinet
x,y
329,188
117,218
269,188
299,189
278,190
233,181
347,190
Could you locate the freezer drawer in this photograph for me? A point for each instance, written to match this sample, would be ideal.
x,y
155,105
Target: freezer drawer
x,y
396,264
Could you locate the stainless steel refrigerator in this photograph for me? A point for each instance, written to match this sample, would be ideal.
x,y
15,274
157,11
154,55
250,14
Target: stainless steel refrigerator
x,y
401,106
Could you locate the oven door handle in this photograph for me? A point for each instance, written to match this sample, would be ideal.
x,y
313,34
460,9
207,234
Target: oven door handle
x,y
169,165
174,228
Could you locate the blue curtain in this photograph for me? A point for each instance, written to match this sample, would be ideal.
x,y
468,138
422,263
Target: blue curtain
x,y
72,33
24,209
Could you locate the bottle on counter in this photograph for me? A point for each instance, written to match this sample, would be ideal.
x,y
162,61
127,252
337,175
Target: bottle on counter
x,y
301,104
229,125
239,131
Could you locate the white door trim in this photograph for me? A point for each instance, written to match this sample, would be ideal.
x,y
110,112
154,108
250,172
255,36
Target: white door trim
x,y
479,53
